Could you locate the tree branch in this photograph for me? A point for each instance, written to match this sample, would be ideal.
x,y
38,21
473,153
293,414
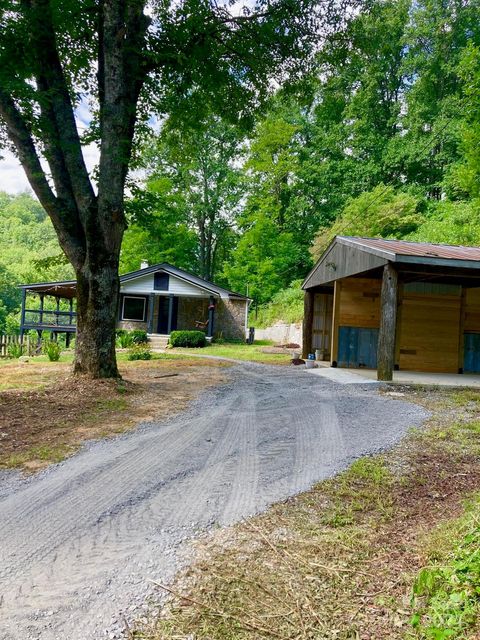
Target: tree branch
x,y
65,224
122,74
54,98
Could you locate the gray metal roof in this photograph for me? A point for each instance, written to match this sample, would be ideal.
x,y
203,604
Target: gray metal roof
x,y
60,287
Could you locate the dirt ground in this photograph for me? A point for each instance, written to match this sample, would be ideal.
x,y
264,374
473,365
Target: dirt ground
x,y
46,414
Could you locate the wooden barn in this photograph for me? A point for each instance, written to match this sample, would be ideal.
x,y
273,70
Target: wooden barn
x,y
394,305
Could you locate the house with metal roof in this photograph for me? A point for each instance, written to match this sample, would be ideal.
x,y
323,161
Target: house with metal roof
x,y
158,299
394,305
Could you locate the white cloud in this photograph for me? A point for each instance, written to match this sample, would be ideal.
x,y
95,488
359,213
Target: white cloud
x,y
12,176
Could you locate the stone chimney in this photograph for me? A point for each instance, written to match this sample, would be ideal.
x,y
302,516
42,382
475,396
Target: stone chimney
x,y
144,264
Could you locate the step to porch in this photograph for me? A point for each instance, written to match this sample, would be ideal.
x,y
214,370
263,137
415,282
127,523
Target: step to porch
x,y
157,340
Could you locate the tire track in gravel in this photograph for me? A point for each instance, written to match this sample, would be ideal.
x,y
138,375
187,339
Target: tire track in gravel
x,y
201,486
241,501
80,540
89,502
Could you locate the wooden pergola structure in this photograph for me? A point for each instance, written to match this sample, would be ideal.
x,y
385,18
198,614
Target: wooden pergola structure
x,y
389,305
42,319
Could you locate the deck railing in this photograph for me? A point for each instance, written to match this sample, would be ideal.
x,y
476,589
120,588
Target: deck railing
x,y
47,318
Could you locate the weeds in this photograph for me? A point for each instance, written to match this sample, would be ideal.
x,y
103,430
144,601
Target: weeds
x,y
52,350
15,350
446,593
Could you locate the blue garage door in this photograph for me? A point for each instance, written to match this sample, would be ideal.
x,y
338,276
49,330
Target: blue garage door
x,y
471,357
357,347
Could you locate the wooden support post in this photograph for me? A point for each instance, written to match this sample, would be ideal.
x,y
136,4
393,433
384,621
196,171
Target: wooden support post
x,y
151,311
42,304
170,314
211,316
388,321
308,302
57,309
67,339
70,312
22,317
335,323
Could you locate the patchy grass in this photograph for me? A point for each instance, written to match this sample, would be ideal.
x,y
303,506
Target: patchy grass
x,y
446,592
46,414
386,550
257,352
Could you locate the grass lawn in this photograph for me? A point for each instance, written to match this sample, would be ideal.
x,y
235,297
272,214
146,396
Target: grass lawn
x,y
46,413
260,351
387,550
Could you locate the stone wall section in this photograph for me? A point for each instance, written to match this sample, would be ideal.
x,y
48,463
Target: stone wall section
x,y
190,310
230,319
131,325
281,333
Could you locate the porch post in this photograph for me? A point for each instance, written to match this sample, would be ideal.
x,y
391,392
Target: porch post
x,y
170,313
308,302
151,311
42,304
71,311
22,317
57,309
388,320
211,316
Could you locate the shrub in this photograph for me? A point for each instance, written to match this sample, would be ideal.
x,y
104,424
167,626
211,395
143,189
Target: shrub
x,y
52,350
15,350
187,339
124,339
138,336
139,352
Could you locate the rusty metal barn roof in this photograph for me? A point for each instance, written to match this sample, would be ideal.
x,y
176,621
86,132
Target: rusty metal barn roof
x,y
347,256
420,249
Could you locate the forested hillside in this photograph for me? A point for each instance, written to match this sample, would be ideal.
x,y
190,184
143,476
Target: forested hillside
x,y
381,139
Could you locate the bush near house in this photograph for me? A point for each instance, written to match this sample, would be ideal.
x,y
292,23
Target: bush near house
x,y
187,339
138,336
52,350
139,352
124,339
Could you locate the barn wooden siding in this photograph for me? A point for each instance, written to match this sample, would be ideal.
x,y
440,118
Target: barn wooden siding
x,y
431,321
322,324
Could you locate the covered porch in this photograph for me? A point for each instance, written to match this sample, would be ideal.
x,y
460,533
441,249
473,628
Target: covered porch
x,y
160,314
49,307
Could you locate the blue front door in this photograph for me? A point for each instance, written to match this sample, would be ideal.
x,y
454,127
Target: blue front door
x,y
357,347
471,357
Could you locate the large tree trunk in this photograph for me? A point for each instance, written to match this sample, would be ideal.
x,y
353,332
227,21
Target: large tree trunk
x,y
97,304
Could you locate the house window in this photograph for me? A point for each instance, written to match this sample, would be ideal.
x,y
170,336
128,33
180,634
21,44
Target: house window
x,y
160,281
133,308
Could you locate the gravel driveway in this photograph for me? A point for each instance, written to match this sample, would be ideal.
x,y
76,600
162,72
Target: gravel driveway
x,y
80,541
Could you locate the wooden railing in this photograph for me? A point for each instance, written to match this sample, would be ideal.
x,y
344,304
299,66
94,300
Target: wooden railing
x,y
44,317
